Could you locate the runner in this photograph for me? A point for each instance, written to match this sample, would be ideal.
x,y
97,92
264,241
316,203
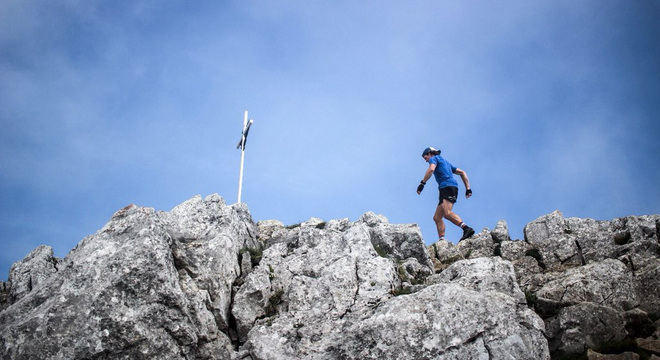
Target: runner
x,y
444,175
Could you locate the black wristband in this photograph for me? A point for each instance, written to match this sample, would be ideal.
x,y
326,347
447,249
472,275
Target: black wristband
x,y
468,192
422,182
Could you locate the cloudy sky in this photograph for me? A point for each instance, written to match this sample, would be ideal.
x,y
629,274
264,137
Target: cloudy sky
x,y
547,105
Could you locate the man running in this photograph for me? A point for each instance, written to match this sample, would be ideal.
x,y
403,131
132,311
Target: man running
x,y
448,186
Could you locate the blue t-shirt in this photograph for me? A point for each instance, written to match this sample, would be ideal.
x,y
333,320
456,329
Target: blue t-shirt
x,y
444,172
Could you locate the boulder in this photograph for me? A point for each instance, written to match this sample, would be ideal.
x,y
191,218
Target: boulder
x,y
141,287
650,345
208,240
398,241
483,275
323,272
584,326
556,250
647,287
593,355
513,250
478,245
442,321
606,283
4,295
321,293
501,232
443,254
31,272
573,242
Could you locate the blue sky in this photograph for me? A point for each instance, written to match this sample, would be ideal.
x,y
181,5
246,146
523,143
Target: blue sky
x,y
547,105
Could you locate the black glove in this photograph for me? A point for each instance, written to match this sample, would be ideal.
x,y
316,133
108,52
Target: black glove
x,y
420,187
468,192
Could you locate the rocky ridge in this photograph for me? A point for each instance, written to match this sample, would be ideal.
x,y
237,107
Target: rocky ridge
x,y
203,281
596,284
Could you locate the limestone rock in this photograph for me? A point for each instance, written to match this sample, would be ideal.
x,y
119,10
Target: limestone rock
x,y
548,234
321,273
31,272
501,232
593,355
647,286
399,241
482,274
513,250
267,229
443,321
203,281
320,293
4,295
652,346
584,326
478,245
574,242
608,283
138,288
428,325
208,238
443,254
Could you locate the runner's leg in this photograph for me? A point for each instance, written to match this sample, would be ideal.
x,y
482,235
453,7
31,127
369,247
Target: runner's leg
x,y
446,210
439,223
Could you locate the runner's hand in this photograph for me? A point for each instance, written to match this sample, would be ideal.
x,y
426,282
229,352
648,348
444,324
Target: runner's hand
x,y
468,193
420,187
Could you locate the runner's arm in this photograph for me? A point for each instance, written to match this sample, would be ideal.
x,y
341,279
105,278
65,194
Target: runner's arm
x,y
465,179
429,173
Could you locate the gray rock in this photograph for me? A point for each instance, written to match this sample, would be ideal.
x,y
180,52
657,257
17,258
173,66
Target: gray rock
x,y
544,228
203,281
638,323
501,232
478,245
607,283
443,254
428,324
4,295
593,355
31,272
549,236
483,275
325,294
513,250
208,239
652,346
267,229
584,326
633,237
317,273
412,272
529,274
647,287
138,288
574,241
443,321
399,241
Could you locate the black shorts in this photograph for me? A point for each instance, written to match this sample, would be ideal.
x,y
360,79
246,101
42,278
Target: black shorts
x,y
450,193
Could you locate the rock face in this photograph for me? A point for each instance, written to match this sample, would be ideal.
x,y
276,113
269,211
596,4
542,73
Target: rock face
x,y
147,285
203,281
342,290
595,283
